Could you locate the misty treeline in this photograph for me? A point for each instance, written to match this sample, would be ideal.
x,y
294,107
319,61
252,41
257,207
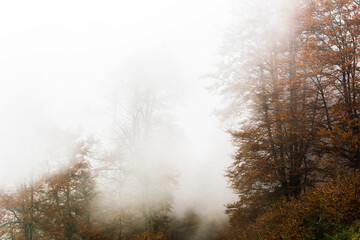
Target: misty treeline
x,y
291,81
119,188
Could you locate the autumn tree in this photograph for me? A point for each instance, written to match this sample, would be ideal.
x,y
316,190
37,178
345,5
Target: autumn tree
x,y
67,196
275,138
55,206
291,84
330,55
19,213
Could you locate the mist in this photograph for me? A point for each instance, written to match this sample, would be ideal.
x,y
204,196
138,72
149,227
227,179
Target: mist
x,y
126,75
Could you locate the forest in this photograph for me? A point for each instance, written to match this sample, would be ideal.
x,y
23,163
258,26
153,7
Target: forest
x,y
289,83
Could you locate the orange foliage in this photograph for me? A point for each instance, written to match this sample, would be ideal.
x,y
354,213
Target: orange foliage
x,y
330,56
151,236
331,204
56,206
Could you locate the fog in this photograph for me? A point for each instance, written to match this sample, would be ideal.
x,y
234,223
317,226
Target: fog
x,y
74,69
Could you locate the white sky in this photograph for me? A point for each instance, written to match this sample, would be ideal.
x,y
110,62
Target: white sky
x,y
57,59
